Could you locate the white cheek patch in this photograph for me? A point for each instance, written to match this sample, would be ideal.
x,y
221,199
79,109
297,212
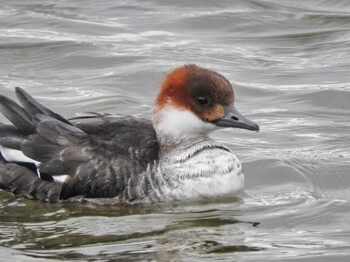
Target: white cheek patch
x,y
177,123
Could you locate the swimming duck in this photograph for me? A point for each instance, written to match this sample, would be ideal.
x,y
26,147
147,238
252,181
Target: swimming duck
x,y
121,159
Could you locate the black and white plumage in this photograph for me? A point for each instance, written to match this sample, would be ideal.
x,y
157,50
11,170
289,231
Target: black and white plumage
x,y
82,149
124,159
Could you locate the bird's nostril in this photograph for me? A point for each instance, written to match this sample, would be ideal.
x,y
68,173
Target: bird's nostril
x,y
234,118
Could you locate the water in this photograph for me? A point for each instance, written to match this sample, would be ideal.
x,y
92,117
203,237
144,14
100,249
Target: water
x,y
289,62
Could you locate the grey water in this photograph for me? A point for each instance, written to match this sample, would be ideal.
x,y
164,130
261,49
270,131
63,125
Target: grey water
x,y
289,62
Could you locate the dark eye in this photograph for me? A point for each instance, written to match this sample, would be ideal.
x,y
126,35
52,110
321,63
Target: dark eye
x,y
201,100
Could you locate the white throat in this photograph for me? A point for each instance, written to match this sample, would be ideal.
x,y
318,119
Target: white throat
x,y
174,124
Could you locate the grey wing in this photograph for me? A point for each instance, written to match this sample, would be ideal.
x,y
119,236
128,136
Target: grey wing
x,y
92,155
135,135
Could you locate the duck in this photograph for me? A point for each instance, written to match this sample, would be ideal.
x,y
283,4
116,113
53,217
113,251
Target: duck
x,y
124,159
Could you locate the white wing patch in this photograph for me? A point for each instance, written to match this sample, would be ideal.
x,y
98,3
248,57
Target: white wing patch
x,y
60,179
14,155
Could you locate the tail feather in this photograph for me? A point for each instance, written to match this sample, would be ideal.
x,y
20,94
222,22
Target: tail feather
x,y
19,160
33,107
17,115
26,122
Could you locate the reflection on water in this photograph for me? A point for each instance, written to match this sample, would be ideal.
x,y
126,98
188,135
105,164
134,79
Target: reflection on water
x,y
289,64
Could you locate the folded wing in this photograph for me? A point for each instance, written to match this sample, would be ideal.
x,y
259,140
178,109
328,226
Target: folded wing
x,y
93,156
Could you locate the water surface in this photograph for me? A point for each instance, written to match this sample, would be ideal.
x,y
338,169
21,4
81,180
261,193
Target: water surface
x,y
289,62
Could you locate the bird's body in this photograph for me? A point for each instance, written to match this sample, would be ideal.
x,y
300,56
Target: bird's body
x,y
125,159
